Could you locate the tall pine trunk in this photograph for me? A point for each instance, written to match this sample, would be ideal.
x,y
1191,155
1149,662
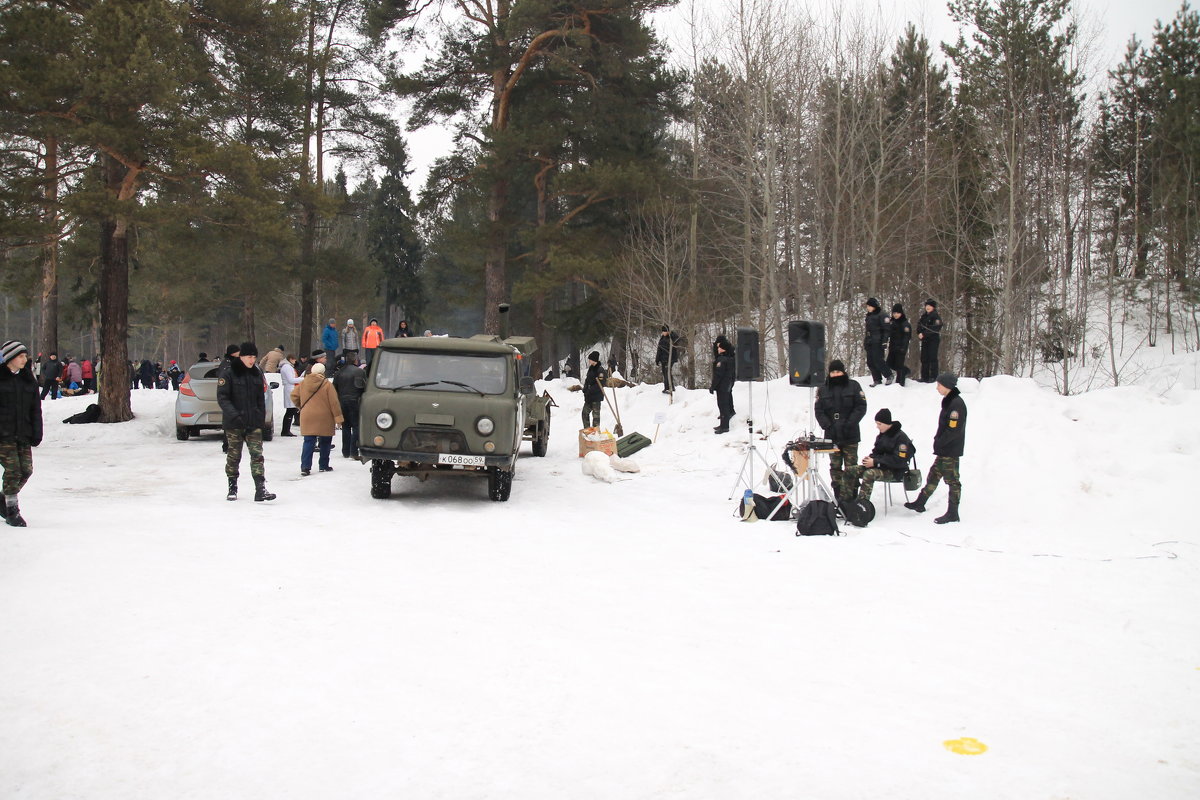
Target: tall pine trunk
x,y
114,303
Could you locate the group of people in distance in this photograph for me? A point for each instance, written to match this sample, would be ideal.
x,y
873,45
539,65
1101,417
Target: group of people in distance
x,y
841,405
896,332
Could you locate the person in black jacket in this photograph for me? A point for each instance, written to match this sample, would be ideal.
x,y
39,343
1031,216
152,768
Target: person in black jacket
x,y
20,426
350,381
722,382
593,390
841,404
899,335
666,356
51,377
876,325
241,393
890,457
929,332
948,445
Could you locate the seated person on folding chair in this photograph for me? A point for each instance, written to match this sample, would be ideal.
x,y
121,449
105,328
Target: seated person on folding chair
x,y
889,459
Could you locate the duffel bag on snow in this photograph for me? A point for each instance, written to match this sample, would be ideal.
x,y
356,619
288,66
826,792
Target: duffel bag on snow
x,y
817,518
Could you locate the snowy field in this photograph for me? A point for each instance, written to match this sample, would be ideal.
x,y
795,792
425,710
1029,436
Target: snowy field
x,y
614,641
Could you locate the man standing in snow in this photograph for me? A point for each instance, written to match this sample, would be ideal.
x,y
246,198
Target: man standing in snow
x,y
666,356
929,331
722,382
20,425
899,335
350,382
840,406
875,334
947,449
371,339
241,395
329,340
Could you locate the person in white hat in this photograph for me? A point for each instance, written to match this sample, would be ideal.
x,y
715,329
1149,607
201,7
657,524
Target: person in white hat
x,y
349,341
20,425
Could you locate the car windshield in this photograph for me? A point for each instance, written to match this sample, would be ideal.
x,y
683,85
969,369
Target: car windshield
x,y
441,372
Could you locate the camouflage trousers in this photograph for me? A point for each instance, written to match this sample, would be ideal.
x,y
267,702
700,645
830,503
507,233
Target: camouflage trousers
x,y
943,467
868,476
17,461
233,455
846,455
591,414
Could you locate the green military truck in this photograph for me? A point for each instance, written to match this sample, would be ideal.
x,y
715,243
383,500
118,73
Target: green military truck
x,y
449,407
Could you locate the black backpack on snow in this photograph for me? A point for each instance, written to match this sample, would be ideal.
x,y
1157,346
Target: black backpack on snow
x,y
817,518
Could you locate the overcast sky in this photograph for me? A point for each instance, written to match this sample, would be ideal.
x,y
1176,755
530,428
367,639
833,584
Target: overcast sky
x,y
1112,21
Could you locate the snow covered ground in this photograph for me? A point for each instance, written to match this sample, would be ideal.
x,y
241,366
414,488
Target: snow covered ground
x,y
625,640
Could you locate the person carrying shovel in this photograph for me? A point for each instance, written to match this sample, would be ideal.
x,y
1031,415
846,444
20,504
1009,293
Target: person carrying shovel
x,y
593,390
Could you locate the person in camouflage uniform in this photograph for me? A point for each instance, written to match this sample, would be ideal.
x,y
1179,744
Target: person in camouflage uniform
x,y
20,426
241,395
889,459
840,405
947,449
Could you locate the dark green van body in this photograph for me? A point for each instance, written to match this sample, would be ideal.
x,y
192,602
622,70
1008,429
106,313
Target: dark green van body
x,y
451,407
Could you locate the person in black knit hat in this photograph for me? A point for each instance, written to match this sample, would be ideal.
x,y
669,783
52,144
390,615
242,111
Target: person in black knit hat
x,y
840,406
948,444
899,335
242,398
929,332
876,332
890,458
593,390
20,426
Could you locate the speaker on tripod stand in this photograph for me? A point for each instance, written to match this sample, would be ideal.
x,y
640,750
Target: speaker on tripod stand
x,y
806,353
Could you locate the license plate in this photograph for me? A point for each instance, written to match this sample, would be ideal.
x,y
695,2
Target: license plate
x,y
460,461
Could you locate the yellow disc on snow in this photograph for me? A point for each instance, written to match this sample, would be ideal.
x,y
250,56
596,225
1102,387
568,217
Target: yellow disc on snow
x,y
965,746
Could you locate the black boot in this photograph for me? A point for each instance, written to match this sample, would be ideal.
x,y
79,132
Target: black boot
x,y
951,514
917,505
260,490
12,515
232,489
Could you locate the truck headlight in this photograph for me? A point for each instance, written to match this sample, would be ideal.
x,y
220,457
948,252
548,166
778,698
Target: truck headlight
x,y
384,420
485,426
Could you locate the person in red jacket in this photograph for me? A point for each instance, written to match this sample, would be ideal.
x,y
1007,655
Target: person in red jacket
x,y
372,335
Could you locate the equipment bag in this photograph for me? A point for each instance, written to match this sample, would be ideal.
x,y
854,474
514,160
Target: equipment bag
x,y
817,518
628,445
763,506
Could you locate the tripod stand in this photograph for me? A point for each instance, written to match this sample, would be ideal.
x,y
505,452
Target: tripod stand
x,y
746,473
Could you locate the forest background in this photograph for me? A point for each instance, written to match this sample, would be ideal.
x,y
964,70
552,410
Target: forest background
x,y
179,175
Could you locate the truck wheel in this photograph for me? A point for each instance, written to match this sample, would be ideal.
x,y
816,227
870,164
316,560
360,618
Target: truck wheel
x,y
381,479
182,432
499,483
542,440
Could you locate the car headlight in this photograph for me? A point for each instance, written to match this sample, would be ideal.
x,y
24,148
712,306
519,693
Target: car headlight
x,y
385,420
485,426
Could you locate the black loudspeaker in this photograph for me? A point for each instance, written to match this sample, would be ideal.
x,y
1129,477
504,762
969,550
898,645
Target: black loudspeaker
x,y
806,353
747,355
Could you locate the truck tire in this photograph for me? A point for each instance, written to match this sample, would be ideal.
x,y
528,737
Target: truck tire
x,y
541,442
182,432
381,479
499,483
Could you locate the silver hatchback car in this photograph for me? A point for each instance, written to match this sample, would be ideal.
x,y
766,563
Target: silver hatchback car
x,y
196,406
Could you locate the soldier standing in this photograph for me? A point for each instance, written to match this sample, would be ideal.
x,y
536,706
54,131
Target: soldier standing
x,y
666,356
724,368
899,335
876,329
840,406
929,331
947,449
241,395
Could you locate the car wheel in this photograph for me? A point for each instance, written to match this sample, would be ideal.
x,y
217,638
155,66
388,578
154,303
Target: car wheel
x,y
499,483
182,432
381,479
541,441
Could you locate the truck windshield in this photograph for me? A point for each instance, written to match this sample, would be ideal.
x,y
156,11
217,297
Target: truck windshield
x,y
441,372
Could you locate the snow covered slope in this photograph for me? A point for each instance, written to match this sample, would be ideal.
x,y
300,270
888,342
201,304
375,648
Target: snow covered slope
x,y
623,640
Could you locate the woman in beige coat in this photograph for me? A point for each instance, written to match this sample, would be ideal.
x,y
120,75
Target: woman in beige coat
x,y
320,414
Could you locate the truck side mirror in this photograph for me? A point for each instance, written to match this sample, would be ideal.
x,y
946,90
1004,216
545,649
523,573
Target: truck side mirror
x,y
526,385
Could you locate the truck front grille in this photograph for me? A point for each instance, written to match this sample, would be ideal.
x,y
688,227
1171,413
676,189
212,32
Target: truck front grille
x,y
433,440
